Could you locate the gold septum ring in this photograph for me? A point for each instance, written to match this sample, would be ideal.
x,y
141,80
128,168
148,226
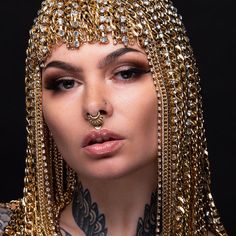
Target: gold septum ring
x,y
96,121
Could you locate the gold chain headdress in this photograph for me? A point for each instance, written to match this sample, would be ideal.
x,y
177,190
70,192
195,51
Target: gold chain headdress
x,y
184,202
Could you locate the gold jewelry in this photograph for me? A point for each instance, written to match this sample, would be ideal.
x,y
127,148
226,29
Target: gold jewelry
x,y
96,121
184,202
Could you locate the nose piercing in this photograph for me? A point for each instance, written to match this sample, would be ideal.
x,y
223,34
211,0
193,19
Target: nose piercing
x,y
96,121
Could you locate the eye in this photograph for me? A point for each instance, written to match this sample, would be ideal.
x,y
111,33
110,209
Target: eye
x,y
61,84
130,73
65,84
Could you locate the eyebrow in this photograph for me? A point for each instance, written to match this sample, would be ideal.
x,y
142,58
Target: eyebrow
x,y
109,59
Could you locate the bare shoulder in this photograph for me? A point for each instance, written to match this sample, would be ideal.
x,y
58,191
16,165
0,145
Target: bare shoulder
x,y
5,216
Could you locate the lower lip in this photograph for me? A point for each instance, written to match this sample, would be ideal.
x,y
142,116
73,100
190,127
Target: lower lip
x,y
103,149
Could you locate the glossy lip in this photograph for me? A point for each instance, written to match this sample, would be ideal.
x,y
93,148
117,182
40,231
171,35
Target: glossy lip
x,y
107,148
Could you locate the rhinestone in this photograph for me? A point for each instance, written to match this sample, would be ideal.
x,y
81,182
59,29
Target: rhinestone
x,y
104,39
102,27
189,113
75,4
60,12
61,32
60,21
45,50
76,33
74,13
47,183
151,9
102,10
60,4
123,29
43,28
121,9
76,44
146,42
154,17
75,24
188,122
125,40
122,19
102,19
140,13
146,2
47,189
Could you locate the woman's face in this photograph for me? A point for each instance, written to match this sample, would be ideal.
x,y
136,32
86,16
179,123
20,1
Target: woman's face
x,y
115,81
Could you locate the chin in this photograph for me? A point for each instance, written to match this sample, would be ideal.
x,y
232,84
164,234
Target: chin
x,y
110,169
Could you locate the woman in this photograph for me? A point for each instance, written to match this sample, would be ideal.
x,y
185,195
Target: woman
x,y
109,153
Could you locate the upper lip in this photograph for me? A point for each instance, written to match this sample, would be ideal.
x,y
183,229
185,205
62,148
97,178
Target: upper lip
x,y
96,136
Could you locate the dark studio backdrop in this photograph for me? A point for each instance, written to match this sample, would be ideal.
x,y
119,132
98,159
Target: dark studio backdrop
x,y
211,28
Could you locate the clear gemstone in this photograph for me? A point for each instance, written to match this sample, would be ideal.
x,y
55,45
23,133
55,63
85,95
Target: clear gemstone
x,y
102,10
60,4
102,27
43,28
104,39
76,33
123,29
154,17
140,13
61,32
45,50
60,12
60,21
75,4
76,44
74,13
146,42
102,19
146,2
125,40
75,24
121,9
122,19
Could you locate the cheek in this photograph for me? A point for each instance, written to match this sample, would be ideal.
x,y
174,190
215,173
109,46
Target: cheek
x,y
60,120
141,117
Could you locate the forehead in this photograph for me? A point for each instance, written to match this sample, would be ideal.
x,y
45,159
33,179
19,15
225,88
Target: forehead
x,y
88,52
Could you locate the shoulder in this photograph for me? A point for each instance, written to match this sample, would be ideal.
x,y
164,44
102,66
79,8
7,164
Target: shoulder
x,y
5,216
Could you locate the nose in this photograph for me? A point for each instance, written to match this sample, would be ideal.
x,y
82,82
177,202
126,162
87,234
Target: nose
x,y
96,99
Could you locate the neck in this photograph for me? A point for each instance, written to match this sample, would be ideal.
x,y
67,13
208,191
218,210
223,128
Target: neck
x,y
124,206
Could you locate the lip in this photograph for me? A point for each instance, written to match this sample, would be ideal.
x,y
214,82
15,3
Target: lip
x,y
106,148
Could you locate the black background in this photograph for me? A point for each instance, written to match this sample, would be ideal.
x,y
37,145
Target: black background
x,y
211,28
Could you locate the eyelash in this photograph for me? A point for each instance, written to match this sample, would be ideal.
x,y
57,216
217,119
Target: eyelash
x,y
133,73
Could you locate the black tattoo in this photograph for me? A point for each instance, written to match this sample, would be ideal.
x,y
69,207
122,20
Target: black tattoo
x,y
86,213
147,226
92,223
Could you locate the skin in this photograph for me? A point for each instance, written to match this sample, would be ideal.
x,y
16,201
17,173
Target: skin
x,y
121,184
